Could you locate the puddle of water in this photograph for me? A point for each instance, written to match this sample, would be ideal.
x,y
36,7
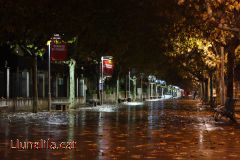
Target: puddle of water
x,y
208,127
133,103
102,108
158,128
58,120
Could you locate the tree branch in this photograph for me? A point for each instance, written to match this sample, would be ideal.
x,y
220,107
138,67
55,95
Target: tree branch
x,y
226,28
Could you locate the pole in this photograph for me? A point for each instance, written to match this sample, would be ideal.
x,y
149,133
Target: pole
x,y
162,92
141,90
49,78
151,90
148,90
156,89
100,82
8,82
102,79
27,84
77,87
117,89
126,95
129,85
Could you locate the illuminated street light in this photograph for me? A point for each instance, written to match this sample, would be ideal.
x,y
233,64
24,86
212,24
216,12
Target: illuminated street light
x,y
152,80
49,74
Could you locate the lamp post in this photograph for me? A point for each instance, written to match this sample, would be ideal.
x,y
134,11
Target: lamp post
x,y
129,85
106,69
8,79
151,81
100,82
141,76
49,75
163,85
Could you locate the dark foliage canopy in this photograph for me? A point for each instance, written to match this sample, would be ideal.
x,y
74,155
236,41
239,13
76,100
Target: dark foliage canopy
x,y
135,32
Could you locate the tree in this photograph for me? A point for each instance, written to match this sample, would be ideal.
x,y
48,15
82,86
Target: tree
x,y
222,20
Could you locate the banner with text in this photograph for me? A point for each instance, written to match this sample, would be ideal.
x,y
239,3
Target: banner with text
x,y
108,66
58,49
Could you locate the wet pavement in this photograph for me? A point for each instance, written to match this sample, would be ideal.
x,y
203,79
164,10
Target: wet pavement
x,y
158,130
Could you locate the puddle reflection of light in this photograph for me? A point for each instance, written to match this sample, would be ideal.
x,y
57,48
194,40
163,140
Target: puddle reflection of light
x,y
200,136
103,135
132,103
106,110
209,127
153,100
83,118
203,129
71,122
206,125
102,108
58,119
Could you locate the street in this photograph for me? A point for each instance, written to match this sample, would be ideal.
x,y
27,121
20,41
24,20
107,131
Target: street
x,y
167,129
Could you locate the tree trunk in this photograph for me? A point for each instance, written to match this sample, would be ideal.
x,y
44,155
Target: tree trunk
x,y
230,76
221,79
35,88
202,90
206,90
211,89
230,72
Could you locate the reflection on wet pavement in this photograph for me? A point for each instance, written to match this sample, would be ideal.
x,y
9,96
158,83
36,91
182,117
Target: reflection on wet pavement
x,y
158,130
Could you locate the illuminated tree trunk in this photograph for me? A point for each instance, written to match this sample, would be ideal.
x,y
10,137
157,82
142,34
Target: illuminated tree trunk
x,y
221,79
71,65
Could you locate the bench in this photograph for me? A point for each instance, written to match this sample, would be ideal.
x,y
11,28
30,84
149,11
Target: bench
x,y
221,111
94,102
3,107
3,104
60,105
120,100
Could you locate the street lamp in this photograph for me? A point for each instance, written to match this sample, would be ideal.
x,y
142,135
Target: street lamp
x,y
151,80
49,75
8,78
129,85
106,69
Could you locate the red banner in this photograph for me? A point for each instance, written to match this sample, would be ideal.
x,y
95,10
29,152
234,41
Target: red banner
x,y
107,67
58,49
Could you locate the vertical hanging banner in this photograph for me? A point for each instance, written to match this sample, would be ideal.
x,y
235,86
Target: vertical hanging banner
x,y
58,48
107,66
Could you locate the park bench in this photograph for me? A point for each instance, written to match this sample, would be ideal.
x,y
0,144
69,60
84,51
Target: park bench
x,y
94,102
60,105
120,100
3,104
221,111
